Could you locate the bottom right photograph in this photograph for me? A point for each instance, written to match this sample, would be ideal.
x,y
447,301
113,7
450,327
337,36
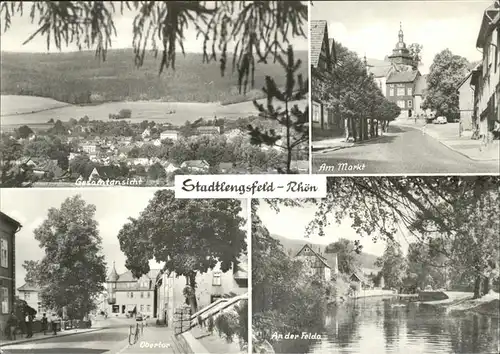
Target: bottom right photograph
x,y
381,265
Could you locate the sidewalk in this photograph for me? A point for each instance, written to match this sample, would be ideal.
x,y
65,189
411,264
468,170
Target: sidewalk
x,y
49,335
448,135
154,340
331,144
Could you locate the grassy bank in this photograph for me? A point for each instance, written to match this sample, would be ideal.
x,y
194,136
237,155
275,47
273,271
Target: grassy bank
x,y
464,302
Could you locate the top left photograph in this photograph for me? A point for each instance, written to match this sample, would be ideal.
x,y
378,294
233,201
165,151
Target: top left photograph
x,y
133,93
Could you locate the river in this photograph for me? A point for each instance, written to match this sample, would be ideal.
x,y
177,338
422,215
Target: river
x,y
388,325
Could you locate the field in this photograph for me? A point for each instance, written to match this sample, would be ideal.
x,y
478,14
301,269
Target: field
x,y
141,110
79,77
13,104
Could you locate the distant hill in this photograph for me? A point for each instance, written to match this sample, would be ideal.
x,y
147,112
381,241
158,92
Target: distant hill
x,y
67,77
367,260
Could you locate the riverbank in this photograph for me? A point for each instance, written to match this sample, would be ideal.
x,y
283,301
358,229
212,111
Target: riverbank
x,y
463,302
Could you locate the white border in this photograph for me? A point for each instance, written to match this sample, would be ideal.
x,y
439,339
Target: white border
x,y
249,265
309,71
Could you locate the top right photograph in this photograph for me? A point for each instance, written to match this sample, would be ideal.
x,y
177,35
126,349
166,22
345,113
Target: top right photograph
x,y
405,87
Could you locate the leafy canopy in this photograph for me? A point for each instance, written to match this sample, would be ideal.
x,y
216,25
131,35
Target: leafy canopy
x,y
189,235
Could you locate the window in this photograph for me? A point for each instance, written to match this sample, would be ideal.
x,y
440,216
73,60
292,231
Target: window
x,y
401,91
149,308
216,279
409,91
26,296
410,103
391,92
4,294
131,294
4,253
401,104
142,308
142,294
149,294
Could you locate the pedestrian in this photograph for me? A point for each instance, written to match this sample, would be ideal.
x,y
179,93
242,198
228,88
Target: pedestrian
x,y
44,324
12,325
29,325
53,322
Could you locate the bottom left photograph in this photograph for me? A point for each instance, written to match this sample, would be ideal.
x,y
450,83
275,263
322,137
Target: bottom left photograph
x,y
103,271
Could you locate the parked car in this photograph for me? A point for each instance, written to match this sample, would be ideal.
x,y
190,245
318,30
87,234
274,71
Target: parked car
x,y
440,120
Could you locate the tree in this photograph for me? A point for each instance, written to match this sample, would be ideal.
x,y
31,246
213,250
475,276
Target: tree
x,y
416,53
284,297
294,120
156,171
73,270
190,235
393,265
446,72
24,132
260,29
347,255
354,95
32,272
82,165
12,173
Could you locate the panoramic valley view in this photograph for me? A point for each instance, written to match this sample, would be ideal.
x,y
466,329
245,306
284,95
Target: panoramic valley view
x,y
382,265
207,104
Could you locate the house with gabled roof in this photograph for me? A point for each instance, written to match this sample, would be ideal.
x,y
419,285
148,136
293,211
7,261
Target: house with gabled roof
x,y
196,165
31,294
128,294
323,61
324,266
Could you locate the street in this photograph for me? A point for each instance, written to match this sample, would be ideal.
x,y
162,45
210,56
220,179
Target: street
x,y
401,150
112,338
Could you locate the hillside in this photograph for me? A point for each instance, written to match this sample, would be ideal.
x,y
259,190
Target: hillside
x,y
367,260
71,77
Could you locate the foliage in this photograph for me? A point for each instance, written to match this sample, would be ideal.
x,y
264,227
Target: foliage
x,y
24,132
355,96
284,298
462,212
416,52
393,264
259,29
347,254
294,121
426,265
446,72
73,270
14,174
211,324
190,235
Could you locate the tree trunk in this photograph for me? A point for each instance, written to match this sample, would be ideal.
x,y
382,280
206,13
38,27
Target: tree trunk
x,y
486,285
191,300
478,287
289,148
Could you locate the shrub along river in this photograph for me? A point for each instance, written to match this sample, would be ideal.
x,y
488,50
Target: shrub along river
x,y
388,325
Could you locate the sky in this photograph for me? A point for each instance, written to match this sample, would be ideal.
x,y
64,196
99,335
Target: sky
x,y
22,28
371,27
113,208
291,223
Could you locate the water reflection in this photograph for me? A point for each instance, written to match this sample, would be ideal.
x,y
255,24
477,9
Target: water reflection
x,y
375,325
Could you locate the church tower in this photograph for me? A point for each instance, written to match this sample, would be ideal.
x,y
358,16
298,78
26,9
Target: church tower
x,y
112,278
401,54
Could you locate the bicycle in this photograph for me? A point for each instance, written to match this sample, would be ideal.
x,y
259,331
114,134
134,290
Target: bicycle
x,y
133,335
